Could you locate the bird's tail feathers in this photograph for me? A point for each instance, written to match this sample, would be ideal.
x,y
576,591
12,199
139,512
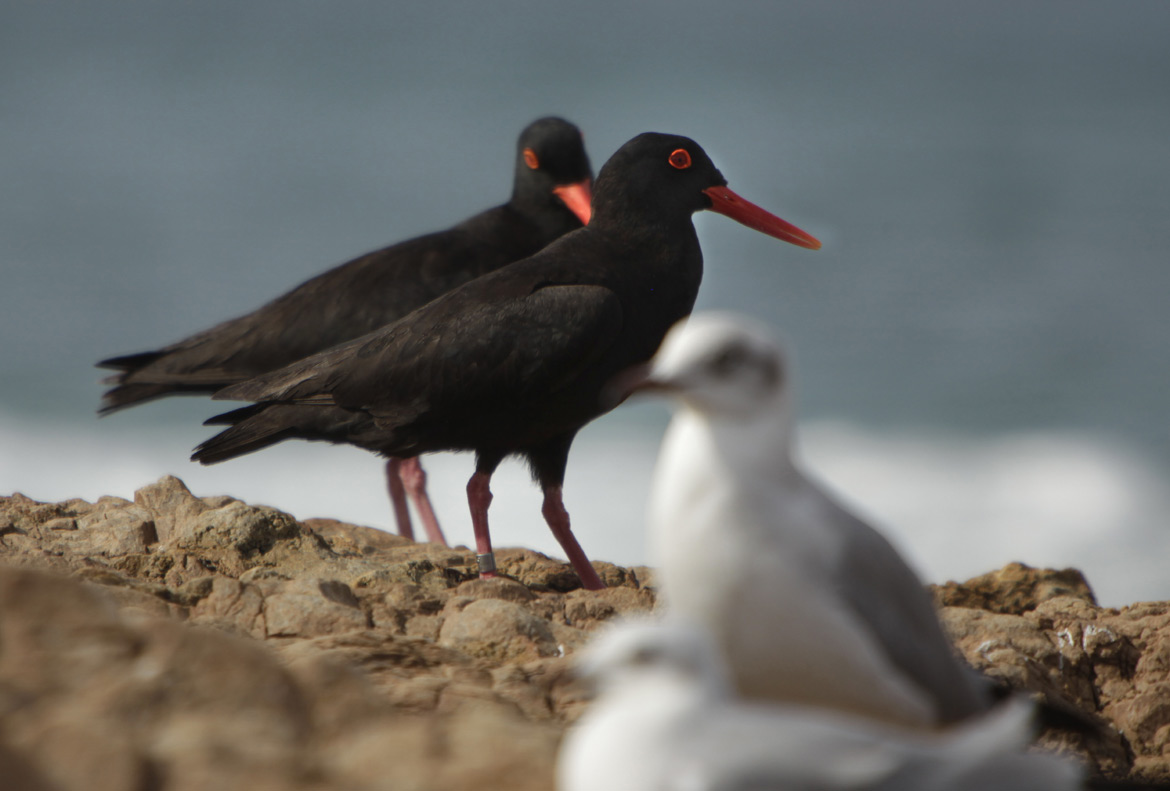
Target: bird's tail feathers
x,y
1009,726
236,415
251,428
1054,712
130,362
124,396
257,426
135,393
989,751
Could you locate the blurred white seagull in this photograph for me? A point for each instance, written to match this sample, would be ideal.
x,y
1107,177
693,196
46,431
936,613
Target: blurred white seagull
x,y
665,720
809,603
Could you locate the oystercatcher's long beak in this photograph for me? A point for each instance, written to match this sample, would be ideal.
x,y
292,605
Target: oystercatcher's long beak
x,y
726,202
578,197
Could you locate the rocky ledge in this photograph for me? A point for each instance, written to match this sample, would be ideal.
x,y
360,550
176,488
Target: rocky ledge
x,y
179,642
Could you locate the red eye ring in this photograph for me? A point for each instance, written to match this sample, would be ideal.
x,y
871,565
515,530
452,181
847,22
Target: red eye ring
x,y
680,158
530,159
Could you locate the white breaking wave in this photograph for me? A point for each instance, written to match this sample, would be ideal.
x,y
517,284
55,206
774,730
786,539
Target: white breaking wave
x,y
957,506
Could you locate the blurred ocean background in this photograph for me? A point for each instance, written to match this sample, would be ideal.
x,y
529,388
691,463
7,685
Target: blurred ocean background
x,y
981,345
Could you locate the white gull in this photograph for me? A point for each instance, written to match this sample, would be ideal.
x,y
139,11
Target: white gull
x,y
809,603
666,720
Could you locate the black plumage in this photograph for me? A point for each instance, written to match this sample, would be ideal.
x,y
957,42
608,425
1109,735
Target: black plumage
x,y
517,361
550,197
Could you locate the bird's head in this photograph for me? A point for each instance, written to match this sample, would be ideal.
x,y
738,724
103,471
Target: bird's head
x,y
671,176
719,364
639,653
551,160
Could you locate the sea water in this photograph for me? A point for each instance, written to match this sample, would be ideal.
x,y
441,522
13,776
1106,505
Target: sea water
x,y
980,348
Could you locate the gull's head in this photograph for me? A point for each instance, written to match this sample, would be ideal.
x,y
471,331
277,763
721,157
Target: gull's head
x,y
641,654
719,364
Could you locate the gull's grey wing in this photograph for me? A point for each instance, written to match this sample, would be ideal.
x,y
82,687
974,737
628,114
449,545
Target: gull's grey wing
x,y
764,748
767,748
891,600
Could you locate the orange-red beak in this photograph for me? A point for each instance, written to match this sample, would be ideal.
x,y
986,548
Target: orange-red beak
x,y
726,202
578,197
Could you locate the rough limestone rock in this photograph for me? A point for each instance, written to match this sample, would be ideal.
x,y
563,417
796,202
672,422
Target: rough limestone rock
x,y
1114,663
1015,588
179,642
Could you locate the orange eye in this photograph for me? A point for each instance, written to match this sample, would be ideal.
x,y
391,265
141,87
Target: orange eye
x,y
680,158
530,159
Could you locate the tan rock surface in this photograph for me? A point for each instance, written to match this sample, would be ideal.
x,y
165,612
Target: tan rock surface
x,y
181,642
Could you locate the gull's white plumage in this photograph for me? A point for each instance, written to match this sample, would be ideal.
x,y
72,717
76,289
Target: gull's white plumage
x,y
809,603
665,720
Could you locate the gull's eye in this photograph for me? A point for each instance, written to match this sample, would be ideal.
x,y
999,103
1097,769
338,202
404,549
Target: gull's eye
x,y
680,158
729,360
645,655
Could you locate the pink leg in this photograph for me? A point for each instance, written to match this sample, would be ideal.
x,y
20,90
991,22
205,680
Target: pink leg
x,y
414,479
558,520
479,497
398,498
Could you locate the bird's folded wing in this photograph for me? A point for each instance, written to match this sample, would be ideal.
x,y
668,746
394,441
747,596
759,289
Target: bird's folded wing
x,y
508,351
752,749
903,620
510,347
761,748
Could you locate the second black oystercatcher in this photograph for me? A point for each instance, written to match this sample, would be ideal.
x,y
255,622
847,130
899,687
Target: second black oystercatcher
x,y
551,196
516,362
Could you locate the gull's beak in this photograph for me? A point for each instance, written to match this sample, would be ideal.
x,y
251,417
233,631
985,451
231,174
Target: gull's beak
x,y
639,378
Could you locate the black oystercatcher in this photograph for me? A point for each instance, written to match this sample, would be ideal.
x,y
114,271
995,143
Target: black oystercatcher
x,y
550,197
517,361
